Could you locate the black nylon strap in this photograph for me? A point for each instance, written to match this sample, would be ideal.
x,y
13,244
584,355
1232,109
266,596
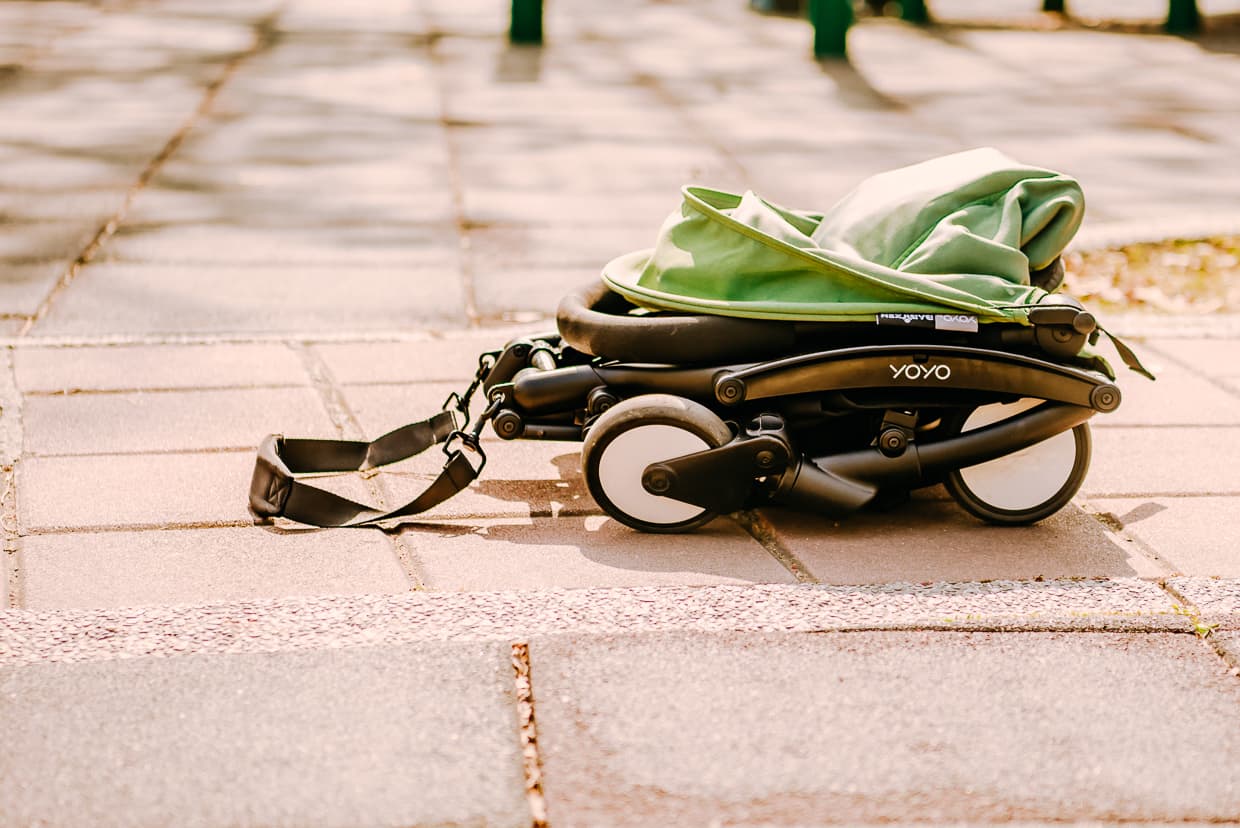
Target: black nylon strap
x,y
274,491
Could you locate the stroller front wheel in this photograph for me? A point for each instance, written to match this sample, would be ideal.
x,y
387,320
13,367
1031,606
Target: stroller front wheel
x,y
1025,486
635,433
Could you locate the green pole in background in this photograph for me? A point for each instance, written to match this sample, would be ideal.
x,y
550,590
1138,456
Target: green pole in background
x,y
526,22
1183,17
831,19
914,11
1054,6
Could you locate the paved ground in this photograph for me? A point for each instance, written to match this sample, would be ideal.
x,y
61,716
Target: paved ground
x,y
220,220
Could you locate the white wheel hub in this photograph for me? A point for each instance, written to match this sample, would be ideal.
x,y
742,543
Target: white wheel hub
x,y
626,457
1023,479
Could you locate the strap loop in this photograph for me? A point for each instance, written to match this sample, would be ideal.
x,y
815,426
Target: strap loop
x,y
275,490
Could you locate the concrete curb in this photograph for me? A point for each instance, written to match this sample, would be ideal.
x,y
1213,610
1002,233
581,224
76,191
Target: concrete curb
x,y
1122,604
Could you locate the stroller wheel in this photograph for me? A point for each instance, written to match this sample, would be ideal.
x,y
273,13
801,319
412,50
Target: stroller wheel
x,y
1025,486
630,436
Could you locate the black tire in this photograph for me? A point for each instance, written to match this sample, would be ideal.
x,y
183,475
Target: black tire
x,y
977,504
673,426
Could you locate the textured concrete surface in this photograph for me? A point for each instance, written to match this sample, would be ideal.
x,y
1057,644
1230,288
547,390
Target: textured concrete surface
x,y
185,566
1184,531
1198,460
930,539
135,490
423,735
154,367
184,420
487,554
885,726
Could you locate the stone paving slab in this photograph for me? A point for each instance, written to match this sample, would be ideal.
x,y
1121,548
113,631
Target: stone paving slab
x,y
1217,599
1164,461
1212,357
925,540
1184,531
24,286
169,421
587,551
412,735
1163,402
313,623
135,491
36,241
183,566
155,367
452,359
259,299
763,729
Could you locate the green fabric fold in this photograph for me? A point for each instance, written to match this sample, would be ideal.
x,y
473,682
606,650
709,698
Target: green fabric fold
x,y
957,234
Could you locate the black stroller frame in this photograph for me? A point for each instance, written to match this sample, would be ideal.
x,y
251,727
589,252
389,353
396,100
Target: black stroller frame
x,y
684,417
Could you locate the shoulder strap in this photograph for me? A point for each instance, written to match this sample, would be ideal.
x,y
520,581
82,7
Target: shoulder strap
x,y
275,491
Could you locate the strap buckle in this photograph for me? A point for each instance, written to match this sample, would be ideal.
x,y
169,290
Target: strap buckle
x,y
460,402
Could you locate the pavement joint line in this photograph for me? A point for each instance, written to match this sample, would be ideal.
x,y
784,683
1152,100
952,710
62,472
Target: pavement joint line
x,y
1203,630
11,439
262,39
75,391
528,724
762,531
347,621
350,428
456,180
141,452
116,528
1095,495
503,328
14,574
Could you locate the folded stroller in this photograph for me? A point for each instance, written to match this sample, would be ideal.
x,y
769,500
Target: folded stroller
x,y
908,336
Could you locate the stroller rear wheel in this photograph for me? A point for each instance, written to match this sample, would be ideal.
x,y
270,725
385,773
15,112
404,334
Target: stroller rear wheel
x,y
1025,486
630,436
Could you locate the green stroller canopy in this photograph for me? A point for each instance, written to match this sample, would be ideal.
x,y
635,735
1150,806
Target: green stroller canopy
x,y
957,234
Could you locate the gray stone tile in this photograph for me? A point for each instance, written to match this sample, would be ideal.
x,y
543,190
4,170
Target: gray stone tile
x,y
1190,533
423,734
142,367
133,490
169,421
24,286
1164,461
95,206
195,566
1212,357
575,552
345,247
533,294
929,540
168,300
43,240
450,359
878,727
1177,398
